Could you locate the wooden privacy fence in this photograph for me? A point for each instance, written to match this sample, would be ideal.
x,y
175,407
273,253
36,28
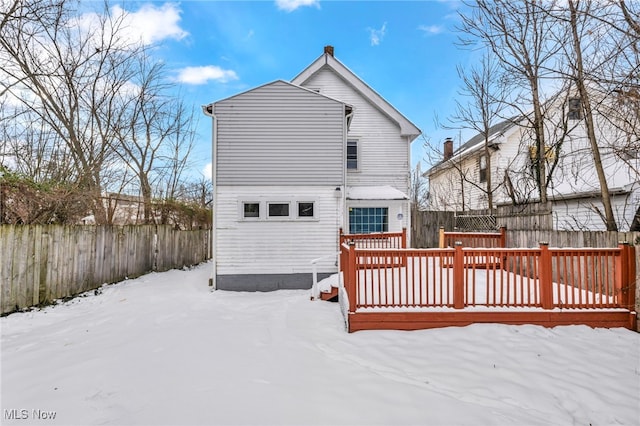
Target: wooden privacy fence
x,y
41,263
461,286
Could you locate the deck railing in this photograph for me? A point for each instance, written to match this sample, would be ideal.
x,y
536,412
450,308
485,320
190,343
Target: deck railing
x,y
386,240
488,277
473,239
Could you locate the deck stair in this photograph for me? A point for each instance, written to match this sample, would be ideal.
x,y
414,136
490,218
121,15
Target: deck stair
x,y
329,295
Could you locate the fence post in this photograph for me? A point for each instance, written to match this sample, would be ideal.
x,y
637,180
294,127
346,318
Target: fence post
x,y
458,277
404,238
441,237
503,236
351,277
546,286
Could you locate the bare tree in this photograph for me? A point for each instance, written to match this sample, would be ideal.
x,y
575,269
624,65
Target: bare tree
x,y
482,87
68,75
146,122
418,189
580,81
518,34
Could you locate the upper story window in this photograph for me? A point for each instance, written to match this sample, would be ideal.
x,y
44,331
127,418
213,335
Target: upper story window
x,y
352,154
482,168
575,109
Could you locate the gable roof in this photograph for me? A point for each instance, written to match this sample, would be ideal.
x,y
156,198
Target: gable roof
x,y
327,60
476,142
494,131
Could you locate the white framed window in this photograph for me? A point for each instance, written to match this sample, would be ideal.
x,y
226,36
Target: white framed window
x,y
278,210
306,209
367,220
482,168
352,154
292,209
251,210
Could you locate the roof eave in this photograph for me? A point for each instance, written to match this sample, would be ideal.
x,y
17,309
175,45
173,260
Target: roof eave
x,y
407,128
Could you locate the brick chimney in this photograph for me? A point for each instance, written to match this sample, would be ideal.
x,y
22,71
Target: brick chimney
x,y
329,50
448,148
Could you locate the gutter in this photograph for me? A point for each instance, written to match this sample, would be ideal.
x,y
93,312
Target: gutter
x,y
208,111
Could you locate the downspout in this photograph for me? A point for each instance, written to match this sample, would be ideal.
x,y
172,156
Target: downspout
x,y
345,212
409,211
208,111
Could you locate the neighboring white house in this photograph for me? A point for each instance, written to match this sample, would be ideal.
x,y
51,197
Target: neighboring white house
x,y
295,162
458,182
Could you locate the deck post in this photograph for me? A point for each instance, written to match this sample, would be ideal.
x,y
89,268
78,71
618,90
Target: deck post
x,y
351,277
441,238
626,276
458,277
545,268
503,237
631,256
622,275
404,238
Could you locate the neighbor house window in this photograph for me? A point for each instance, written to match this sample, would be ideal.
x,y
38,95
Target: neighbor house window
x,y
365,220
305,209
278,209
483,168
575,109
352,154
251,210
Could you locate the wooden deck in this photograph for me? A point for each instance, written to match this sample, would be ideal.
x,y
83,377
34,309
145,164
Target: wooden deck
x,y
409,289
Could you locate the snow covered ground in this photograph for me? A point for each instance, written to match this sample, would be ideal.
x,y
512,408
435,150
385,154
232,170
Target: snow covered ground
x,y
163,349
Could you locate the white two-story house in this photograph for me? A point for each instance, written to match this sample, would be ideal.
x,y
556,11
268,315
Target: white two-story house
x,y
295,162
459,181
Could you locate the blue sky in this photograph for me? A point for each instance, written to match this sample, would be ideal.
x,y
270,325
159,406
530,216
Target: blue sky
x,y
214,49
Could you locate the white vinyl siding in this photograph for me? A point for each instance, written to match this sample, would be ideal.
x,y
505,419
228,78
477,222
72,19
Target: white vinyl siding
x,y
270,246
279,134
383,155
580,215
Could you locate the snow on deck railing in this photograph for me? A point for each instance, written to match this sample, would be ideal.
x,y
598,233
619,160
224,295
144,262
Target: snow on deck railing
x,y
489,277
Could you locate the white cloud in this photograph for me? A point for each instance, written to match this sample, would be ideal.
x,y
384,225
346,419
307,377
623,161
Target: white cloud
x,y
291,5
149,24
376,36
201,75
208,171
431,29
154,24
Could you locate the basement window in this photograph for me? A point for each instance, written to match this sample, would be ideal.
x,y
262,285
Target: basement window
x,y
251,210
305,209
278,209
